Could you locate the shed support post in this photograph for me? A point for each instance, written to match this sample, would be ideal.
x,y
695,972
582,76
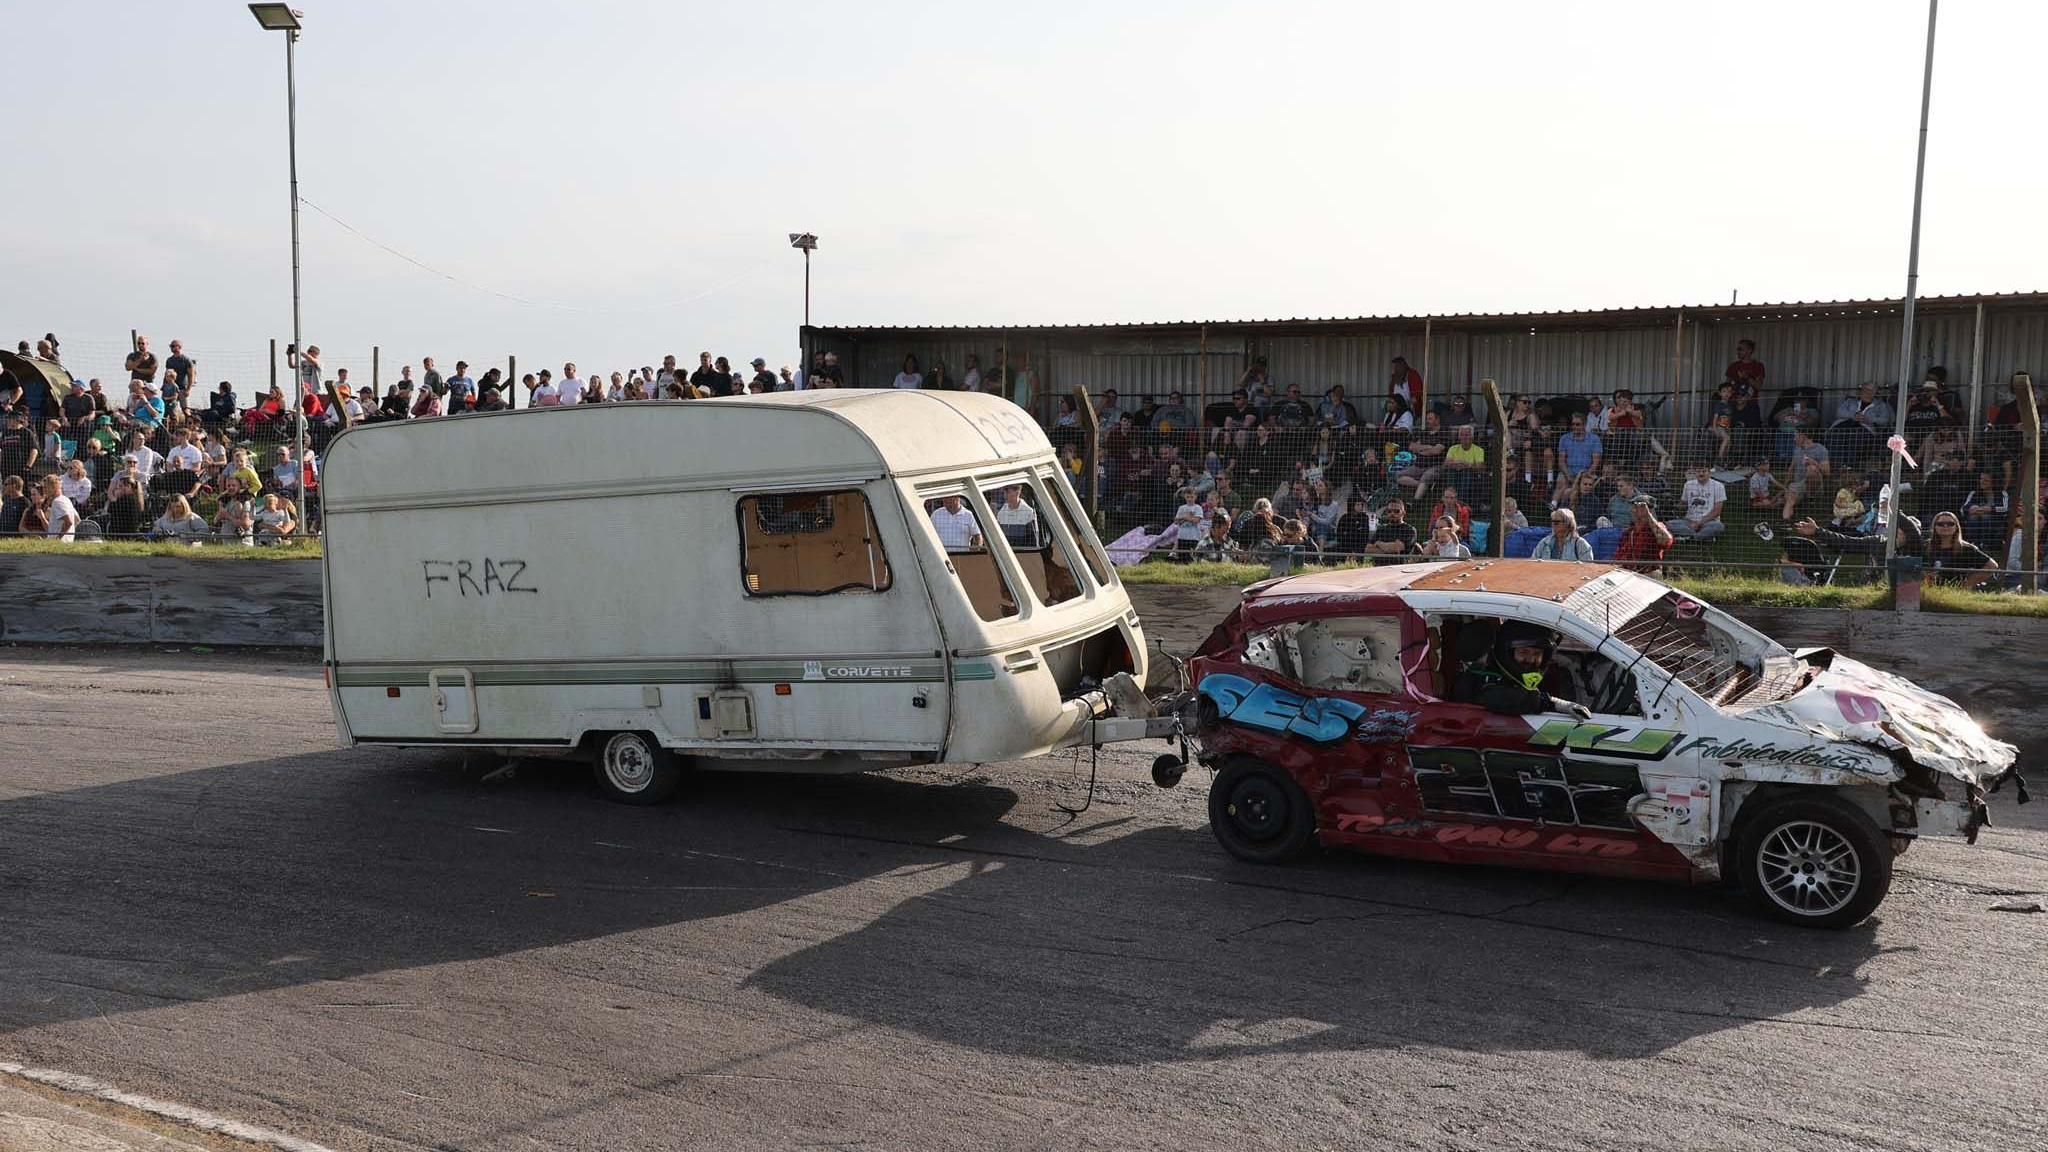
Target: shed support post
x,y
1091,456
1496,533
2030,477
1977,377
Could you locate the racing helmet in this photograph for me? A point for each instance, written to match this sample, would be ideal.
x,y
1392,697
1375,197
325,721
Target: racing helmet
x,y
1518,634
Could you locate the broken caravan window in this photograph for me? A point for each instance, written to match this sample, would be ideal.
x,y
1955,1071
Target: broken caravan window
x,y
1710,653
969,553
1044,560
1061,497
810,544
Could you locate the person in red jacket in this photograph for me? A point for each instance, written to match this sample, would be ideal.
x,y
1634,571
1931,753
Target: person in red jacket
x,y
1645,540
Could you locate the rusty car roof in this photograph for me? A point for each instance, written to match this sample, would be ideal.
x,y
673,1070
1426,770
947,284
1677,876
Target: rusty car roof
x,y
1544,579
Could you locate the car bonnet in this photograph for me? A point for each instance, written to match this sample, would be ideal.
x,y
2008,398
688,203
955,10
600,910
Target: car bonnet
x,y
1851,701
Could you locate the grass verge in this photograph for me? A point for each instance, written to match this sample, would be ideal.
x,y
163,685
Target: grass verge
x,y
295,550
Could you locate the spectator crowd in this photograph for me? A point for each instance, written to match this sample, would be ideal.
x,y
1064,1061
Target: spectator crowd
x,y
1270,471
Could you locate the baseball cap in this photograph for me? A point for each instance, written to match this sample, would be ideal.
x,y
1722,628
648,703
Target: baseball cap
x,y
760,363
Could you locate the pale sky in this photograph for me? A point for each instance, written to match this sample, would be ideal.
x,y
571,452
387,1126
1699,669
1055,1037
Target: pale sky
x,y
634,168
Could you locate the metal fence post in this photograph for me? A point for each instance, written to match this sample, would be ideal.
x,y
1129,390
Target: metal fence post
x,y
273,361
2030,475
511,382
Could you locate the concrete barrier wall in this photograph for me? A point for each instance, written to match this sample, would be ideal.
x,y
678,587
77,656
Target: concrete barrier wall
x,y
159,600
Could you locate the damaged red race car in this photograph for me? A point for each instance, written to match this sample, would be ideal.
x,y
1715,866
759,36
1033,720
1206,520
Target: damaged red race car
x,y
1574,717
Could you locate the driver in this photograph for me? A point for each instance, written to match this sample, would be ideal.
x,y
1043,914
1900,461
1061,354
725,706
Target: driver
x,y
1510,679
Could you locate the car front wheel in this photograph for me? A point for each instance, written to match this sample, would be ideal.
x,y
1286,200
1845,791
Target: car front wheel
x,y
1816,860
1259,813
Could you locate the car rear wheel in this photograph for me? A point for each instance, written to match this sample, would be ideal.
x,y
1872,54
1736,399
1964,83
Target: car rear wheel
x,y
1815,860
1259,813
633,768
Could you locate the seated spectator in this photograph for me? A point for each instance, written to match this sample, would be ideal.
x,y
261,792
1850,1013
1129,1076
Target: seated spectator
x,y
1564,541
1450,507
274,520
1645,540
1429,449
77,484
1445,542
1862,424
1945,468
1702,499
1465,459
1291,411
1456,412
1174,415
1295,504
1224,496
35,514
61,515
1216,545
1354,527
1294,543
104,435
124,515
1528,446
1847,514
269,412
397,403
1621,497
1809,466
145,408
1985,512
1335,412
428,401
1259,529
148,462
1511,517
284,475
222,408
1578,453
1926,411
1596,415
489,400
1587,499
178,522
1763,486
1951,559
236,518
1393,538
1397,420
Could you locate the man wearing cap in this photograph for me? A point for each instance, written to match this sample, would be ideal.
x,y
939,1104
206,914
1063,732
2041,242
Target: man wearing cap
x,y
104,435
461,390
77,410
764,380
18,447
1645,539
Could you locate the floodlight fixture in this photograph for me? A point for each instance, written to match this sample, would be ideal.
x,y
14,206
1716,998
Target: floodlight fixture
x,y
277,17
803,240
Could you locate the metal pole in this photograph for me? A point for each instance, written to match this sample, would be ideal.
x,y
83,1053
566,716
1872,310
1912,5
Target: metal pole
x,y
376,364
1977,376
273,361
1891,536
291,104
1425,370
2030,477
807,287
1497,534
511,396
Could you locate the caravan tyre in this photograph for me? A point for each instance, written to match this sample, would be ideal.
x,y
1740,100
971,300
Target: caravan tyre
x,y
633,768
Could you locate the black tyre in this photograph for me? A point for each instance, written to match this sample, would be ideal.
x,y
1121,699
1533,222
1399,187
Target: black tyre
x,y
1813,859
633,768
1259,813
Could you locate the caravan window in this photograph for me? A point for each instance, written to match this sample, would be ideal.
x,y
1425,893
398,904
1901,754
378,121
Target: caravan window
x,y
1058,497
810,544
1044,560
968,551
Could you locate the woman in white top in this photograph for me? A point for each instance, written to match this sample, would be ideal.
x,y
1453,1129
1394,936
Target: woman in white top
x,y
179,521
62,514
910,377
76,484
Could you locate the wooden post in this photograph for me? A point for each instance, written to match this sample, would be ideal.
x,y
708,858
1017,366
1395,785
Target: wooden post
x,y
511,382
1977,377
273,361
2030,473
1496,533
134,341
1091,459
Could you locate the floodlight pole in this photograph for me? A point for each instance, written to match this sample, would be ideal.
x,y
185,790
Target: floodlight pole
x,y
291,104
1891,533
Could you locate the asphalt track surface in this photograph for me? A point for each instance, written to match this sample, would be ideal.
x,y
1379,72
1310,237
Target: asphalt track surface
x,y
203,901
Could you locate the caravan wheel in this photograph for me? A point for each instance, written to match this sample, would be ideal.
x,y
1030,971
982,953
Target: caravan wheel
x,y
633,768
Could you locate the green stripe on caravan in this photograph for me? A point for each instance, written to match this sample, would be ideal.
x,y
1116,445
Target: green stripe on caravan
x,y
1604,739
842,671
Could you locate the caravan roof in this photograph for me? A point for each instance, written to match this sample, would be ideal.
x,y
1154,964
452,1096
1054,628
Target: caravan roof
x,y
793,438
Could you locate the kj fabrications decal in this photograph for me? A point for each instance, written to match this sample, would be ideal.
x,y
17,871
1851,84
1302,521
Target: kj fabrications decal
x,y
1837,758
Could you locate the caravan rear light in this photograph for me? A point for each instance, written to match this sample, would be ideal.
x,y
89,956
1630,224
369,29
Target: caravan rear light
x,y
782,689
392,691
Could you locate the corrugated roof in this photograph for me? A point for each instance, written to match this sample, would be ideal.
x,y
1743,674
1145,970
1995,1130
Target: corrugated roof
x,y
1610,317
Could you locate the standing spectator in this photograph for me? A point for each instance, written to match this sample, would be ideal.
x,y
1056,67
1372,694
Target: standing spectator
x,y
13,505
764,380
616,391
829,374
1747,372
1985,511
19,446
970,378
1564,541
540,393
1187,525
1407,381
667,375
1809,466
61,521
569,389
705,378
1703,498
1578,453
789,381
141,363
430,380
178,376
459,388
910,377
1645,540
306,363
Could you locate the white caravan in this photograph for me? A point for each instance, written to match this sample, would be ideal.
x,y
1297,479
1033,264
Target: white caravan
x,y
813,581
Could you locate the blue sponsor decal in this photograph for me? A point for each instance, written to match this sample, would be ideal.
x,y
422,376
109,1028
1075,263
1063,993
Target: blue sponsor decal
x,y
1242,701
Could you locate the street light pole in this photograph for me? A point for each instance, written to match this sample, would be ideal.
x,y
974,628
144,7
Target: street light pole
x,y
291,104
1891,533
805,242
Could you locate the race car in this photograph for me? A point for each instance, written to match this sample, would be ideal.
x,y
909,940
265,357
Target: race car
x,y
1575,717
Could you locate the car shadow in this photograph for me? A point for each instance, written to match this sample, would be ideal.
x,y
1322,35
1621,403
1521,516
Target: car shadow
x,y
1100,946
